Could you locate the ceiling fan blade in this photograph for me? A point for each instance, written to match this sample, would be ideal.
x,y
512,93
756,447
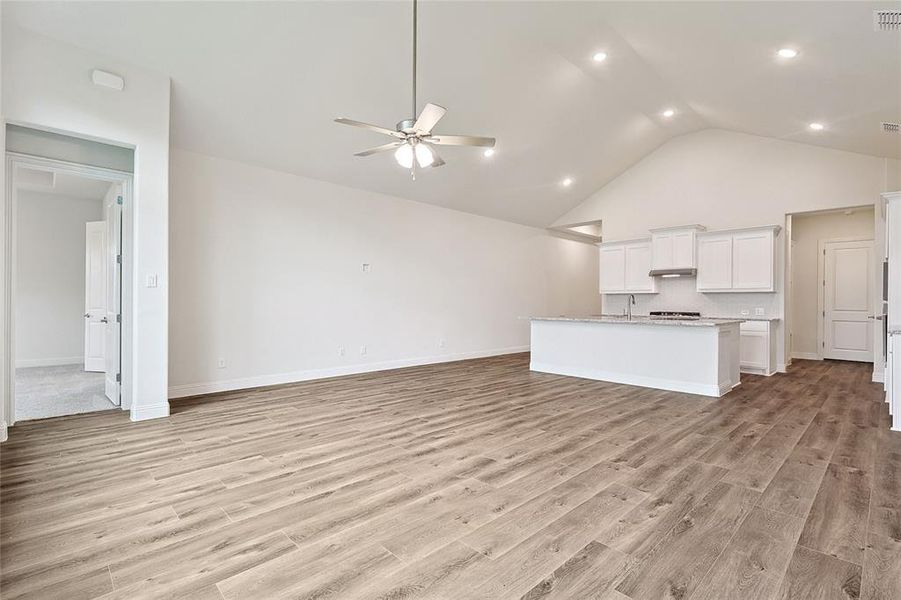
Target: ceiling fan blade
x,y
429,116
382,148
461,140
363,125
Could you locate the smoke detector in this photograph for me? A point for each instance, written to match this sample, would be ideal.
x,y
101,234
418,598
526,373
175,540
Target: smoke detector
x,y
887,20
891,127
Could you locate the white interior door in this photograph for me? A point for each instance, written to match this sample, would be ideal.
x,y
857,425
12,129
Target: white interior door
x,y
112,211
847,301
95,297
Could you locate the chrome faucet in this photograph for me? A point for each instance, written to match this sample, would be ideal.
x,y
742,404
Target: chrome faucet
x,y
630,302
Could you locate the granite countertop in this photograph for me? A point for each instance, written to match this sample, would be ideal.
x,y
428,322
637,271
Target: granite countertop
x,y
750,318
641,320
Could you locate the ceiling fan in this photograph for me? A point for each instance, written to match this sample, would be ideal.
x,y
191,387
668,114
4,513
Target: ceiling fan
x,y
414,137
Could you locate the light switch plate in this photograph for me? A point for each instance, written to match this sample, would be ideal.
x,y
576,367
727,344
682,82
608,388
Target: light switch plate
x,y
745,312
153,281
759,311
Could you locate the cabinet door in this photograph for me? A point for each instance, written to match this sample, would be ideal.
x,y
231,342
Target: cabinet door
x,y
752,261
755,350
613,269
683,252
638,263
662,250
714,263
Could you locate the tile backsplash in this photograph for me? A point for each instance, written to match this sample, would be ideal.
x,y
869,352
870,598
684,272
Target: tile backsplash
x,y
681,294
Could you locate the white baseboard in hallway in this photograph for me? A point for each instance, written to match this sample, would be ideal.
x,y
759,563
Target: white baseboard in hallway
x,y
212,387
806,356
28,363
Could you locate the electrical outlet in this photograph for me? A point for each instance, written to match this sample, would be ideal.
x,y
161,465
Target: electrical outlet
x,y
153,281
341,351
442,343
367,267
363,350
221,363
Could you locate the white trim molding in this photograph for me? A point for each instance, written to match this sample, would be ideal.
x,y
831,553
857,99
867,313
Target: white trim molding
x,y
8,271
153,411
27,363
4,431
806,356
228,385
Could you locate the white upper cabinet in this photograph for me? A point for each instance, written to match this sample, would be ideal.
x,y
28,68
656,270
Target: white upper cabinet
x,y
752,261
613,269
715,262
737,261
674,248
624,268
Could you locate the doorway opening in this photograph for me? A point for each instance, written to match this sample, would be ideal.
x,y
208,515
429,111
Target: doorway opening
x,y
835,292
67,290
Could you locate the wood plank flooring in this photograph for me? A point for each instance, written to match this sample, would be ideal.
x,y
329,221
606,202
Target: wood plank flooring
x,y
469,480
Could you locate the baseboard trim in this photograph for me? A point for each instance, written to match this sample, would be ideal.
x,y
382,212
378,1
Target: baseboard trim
x,y
714,390
153,411
4,431
213,387
806,356
878,376
48,362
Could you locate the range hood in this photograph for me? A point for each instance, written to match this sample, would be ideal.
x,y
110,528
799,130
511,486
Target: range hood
x,y
686,271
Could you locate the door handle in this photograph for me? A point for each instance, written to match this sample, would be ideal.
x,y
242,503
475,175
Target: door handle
x,y
87,315
104,320
876,317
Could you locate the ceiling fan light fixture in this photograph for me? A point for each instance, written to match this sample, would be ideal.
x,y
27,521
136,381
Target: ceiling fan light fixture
x,y
599,57
404,156
424,155
787,53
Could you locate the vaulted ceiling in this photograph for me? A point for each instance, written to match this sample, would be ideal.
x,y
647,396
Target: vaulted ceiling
x,y
260,83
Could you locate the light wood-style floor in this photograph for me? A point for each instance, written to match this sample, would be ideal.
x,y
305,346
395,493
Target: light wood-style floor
x,y
470,480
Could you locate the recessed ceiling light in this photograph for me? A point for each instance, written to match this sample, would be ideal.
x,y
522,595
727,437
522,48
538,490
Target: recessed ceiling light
x,y
787,52
668,113
817,126
599,56
488,153
567,181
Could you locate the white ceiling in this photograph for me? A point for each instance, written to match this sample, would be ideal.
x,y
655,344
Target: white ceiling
x,y
261,82
61,184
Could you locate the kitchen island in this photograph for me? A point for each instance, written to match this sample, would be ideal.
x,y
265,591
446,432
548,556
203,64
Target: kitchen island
x,y
698,356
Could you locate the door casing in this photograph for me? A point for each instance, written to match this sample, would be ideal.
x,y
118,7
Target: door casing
x,y
8,269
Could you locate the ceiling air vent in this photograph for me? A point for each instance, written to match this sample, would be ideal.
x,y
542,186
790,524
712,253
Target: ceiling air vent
x,y
891,127
887,20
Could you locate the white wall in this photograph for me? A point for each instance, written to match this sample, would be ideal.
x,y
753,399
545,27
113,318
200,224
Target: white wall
x,y
50,277
723,179
47,85
808,231
267,275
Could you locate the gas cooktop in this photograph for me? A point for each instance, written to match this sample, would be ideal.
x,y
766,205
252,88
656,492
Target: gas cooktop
x,y
676,315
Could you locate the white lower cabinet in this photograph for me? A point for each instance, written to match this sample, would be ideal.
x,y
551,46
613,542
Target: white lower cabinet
x,y
758,352
893,379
